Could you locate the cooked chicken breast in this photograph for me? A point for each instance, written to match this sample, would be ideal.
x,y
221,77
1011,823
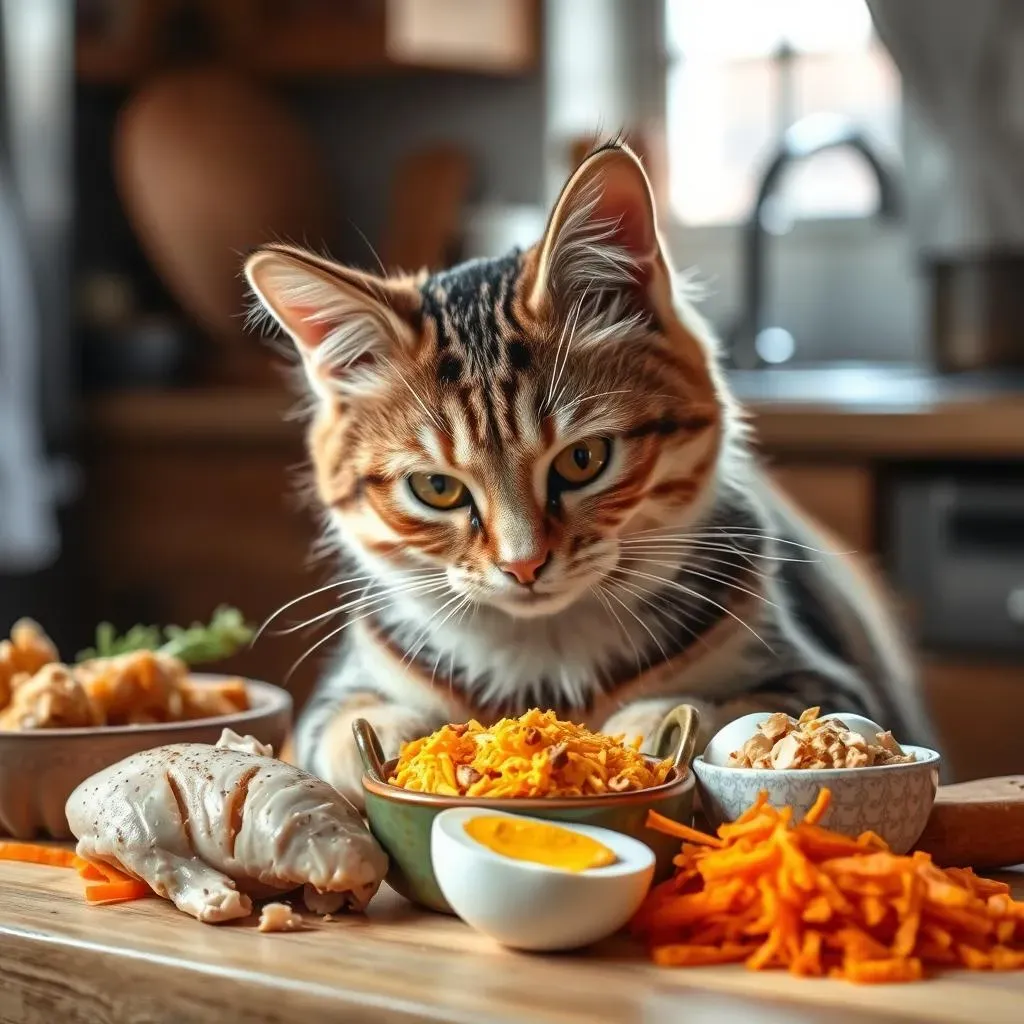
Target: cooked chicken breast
x,y
212,827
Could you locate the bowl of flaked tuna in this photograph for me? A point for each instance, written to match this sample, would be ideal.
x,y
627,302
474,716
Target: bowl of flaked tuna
x,y
877,785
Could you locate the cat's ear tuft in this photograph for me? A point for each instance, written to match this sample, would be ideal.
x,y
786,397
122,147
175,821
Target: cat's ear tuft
x,y
602,237
344,323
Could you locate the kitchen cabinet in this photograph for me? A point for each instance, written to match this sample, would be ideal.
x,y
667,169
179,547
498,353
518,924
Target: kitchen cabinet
x,y
978,708
298,38
840,497
190,504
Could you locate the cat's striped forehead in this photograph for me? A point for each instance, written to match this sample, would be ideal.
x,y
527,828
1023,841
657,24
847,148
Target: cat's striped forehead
x,y
484,354
477,320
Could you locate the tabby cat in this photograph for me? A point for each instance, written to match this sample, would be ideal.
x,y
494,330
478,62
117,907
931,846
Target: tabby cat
x,y
544,494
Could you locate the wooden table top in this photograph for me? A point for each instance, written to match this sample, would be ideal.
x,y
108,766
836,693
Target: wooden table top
x,y
62,960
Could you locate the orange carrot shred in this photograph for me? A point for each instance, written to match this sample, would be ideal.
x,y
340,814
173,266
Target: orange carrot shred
x,y
753,811
660,823
819,807
774,894
35,853
111,892
91,872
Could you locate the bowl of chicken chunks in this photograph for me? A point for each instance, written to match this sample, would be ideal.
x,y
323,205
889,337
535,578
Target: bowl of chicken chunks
x,y
62,721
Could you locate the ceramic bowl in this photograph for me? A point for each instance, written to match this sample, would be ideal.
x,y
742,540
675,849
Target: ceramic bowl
x,y
402,820
39,768
534,906
892,800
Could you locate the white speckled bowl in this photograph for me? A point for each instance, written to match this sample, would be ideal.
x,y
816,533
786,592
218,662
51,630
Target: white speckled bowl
x,y
892,800
39,768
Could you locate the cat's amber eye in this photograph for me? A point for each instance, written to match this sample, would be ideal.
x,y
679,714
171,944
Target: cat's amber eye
x,y
582,461
439,490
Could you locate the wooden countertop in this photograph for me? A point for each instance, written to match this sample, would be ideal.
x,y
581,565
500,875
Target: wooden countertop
x,y
838,413
61,959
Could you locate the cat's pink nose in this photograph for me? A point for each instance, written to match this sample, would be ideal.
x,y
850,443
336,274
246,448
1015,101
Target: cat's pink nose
x,y
526,570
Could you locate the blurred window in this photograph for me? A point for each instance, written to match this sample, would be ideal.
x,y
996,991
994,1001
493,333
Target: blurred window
x,y
741,72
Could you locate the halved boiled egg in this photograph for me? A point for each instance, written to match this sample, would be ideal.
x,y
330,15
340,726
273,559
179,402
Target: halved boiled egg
x,y
536,884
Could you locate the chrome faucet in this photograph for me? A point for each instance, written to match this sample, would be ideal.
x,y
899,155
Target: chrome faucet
x,y
805,138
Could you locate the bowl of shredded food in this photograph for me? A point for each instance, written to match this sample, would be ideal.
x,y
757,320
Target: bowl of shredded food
x,y
536,765
62,721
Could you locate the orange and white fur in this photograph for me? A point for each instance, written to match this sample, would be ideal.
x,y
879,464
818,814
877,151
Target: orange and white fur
x,y
542,493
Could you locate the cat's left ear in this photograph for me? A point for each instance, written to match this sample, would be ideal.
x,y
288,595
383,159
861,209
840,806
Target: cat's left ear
x,y
601,243
345,324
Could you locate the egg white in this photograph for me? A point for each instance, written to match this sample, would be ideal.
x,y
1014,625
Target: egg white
x,y
537,906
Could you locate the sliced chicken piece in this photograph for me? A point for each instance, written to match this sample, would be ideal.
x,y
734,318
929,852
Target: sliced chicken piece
x,y
230,740
135,687
213,827
50,699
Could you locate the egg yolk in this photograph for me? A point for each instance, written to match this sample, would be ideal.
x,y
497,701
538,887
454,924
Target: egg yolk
x,y
540,844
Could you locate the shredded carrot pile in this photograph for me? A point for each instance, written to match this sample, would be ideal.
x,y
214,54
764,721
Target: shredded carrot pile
x,y
104,884
768,893
536,755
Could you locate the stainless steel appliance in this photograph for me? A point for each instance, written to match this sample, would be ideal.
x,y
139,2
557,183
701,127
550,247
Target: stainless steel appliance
x,y
956,539
37,360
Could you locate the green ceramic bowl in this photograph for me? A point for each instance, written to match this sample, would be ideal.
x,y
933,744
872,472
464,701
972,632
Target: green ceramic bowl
x,y
401,820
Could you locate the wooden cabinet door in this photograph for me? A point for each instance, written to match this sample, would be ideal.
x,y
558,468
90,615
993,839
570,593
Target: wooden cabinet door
x,y
978,710
840,497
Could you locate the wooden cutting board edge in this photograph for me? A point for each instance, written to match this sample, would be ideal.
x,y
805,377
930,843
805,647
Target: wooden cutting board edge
x,y
977,824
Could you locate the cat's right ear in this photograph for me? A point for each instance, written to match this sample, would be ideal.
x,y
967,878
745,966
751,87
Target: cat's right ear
x,y
344,323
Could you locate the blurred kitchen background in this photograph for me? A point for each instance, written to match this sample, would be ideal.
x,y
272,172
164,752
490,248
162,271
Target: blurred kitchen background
x,y
844,179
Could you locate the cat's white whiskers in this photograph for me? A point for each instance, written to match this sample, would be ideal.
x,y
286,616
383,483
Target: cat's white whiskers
x,y
386,602
731,533
749,569
319,590
703,575
639,593
683,559
451,653
689,543
675,584
686,558
458,608
598,591
647,628
367,594
418,644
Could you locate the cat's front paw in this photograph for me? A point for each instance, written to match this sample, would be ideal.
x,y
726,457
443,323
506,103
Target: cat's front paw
x,y
394,725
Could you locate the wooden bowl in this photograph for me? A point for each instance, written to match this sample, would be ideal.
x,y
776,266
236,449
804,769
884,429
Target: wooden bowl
x,y
402,819
39,768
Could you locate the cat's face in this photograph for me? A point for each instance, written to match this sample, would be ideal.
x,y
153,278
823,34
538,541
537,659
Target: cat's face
x,y
508,421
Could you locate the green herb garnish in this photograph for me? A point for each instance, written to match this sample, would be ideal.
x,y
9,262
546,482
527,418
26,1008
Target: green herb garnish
x,y
197,644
